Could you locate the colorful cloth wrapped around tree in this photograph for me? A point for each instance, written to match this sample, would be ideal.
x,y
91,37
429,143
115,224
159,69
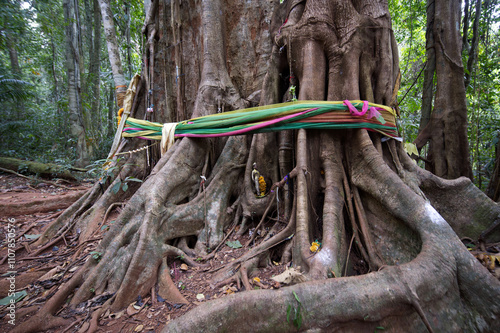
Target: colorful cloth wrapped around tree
x,y
271,118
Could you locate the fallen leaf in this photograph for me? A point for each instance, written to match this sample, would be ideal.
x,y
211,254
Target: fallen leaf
x,y
200,297
50,273
16,298
289,276
131,310
184,267
234,244
139,328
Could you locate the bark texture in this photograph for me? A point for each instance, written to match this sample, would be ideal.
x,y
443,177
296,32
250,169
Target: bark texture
x,y
356,193
73,66
446,132
113,51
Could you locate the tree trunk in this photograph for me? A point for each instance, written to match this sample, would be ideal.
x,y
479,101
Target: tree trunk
x,y
95,66
446,131
430,69
113,51
14,60
465,29
493,190
353,191
473,51
73,61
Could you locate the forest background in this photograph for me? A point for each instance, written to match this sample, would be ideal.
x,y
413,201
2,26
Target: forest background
x,y
35,121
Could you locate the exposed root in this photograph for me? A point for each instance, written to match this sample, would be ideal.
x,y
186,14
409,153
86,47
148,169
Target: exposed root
x,y
374,260
246,267
352,219
301,241
372,299
166,287
282,236
44,319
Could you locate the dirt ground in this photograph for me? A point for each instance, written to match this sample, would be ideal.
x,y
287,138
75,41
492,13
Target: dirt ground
x,y
30,206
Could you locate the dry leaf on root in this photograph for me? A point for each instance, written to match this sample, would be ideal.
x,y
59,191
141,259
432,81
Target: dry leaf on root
x,y
290,276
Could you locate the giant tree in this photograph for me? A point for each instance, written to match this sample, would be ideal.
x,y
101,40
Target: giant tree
x,y
348,187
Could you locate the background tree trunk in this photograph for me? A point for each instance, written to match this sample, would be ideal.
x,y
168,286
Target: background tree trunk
x,y
473,51
95,65
113,51
430,69
73,65
448,154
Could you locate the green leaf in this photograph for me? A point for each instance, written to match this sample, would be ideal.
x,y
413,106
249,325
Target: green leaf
x,y
116,187
298,318
132,179
125,187
16,297
411,149
296,296
96,255
234,245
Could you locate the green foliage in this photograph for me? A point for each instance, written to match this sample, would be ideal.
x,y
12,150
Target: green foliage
x,y
123,184
482,95
294,312
234,244
102,169
33,103
409,25
96,255
15,90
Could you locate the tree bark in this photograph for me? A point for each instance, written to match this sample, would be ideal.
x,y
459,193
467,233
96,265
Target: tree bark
x,y
473,51
14,59
493,190
113,51
95,65
448,154
430,69
465,29
73,65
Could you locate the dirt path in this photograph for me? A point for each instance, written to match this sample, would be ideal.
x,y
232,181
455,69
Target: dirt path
x,y
20,197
